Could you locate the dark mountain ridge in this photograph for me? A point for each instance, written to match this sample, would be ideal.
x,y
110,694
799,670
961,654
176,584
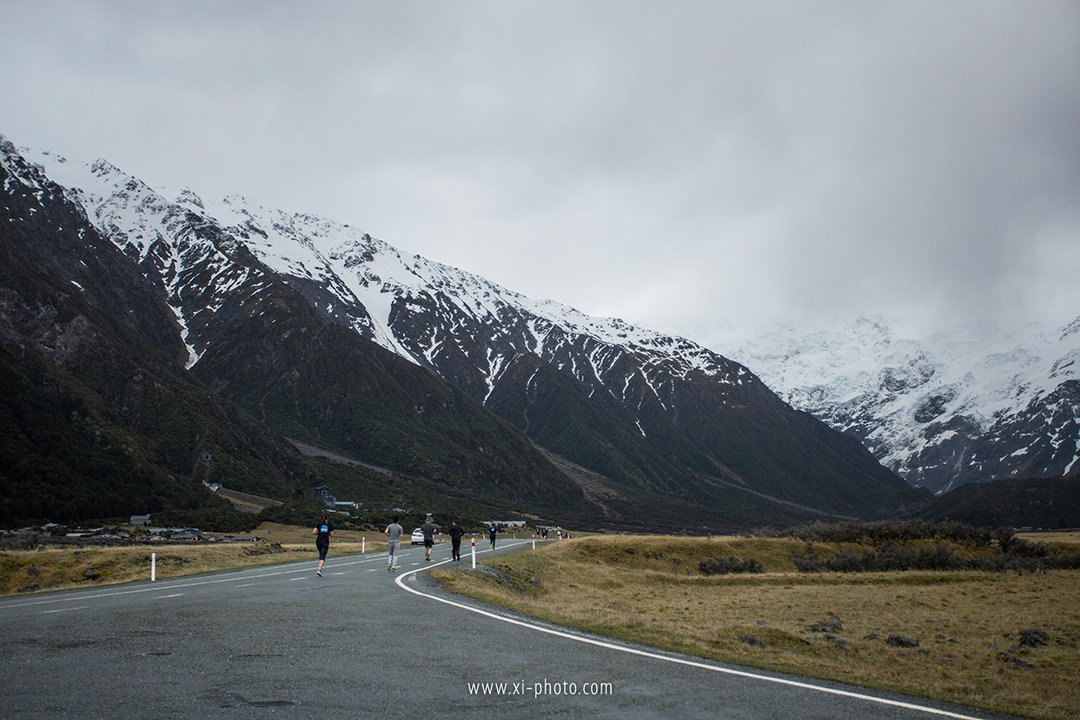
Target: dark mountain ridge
x,y
1036,503
97,411
74,305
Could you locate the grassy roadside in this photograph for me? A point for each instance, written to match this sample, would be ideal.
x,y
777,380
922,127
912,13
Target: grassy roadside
x,y
858,628
66,567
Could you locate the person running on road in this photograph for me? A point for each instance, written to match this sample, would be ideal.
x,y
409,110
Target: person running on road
x,y
492,532
393,546
428,528
322,532
456,532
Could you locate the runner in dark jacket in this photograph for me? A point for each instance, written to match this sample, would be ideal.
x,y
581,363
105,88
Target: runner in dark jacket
x,y
456,532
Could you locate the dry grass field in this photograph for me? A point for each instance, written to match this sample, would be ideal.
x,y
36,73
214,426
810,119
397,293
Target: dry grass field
x,y
859,628
66,567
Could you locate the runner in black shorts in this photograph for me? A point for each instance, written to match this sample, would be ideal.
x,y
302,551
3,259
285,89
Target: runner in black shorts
x,y
322,532
429,538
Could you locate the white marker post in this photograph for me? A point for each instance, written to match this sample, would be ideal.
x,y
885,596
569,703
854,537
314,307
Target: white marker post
x,y
153,567
534,542
363,544
474,553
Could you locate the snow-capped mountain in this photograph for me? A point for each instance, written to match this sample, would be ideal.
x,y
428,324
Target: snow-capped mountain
x,y
107,410
359,280
640,410
970,404
644,422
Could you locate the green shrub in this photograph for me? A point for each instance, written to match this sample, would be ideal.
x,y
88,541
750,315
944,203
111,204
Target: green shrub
x,y
724,566
888,531
1013,555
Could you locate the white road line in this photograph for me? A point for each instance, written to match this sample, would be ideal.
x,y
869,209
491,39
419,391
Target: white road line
x,y
162,597
49,612
679,661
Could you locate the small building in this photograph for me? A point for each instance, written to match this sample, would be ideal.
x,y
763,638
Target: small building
x,y
140,519
323,493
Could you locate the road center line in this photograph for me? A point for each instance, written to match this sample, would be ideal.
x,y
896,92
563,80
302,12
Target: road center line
x,y
656,656
58,610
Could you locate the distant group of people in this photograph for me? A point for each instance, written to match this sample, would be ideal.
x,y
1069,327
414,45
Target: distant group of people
x,y
324,531
428,529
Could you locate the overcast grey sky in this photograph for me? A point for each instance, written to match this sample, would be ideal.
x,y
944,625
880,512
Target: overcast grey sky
x,y
699,168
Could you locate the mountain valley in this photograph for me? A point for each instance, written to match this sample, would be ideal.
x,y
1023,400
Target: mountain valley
x,y
145,329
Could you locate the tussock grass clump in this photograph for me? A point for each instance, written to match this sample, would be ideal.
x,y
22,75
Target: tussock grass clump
x,y
966,636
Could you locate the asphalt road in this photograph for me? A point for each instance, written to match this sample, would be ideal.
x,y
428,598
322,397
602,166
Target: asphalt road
x,y
361,642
